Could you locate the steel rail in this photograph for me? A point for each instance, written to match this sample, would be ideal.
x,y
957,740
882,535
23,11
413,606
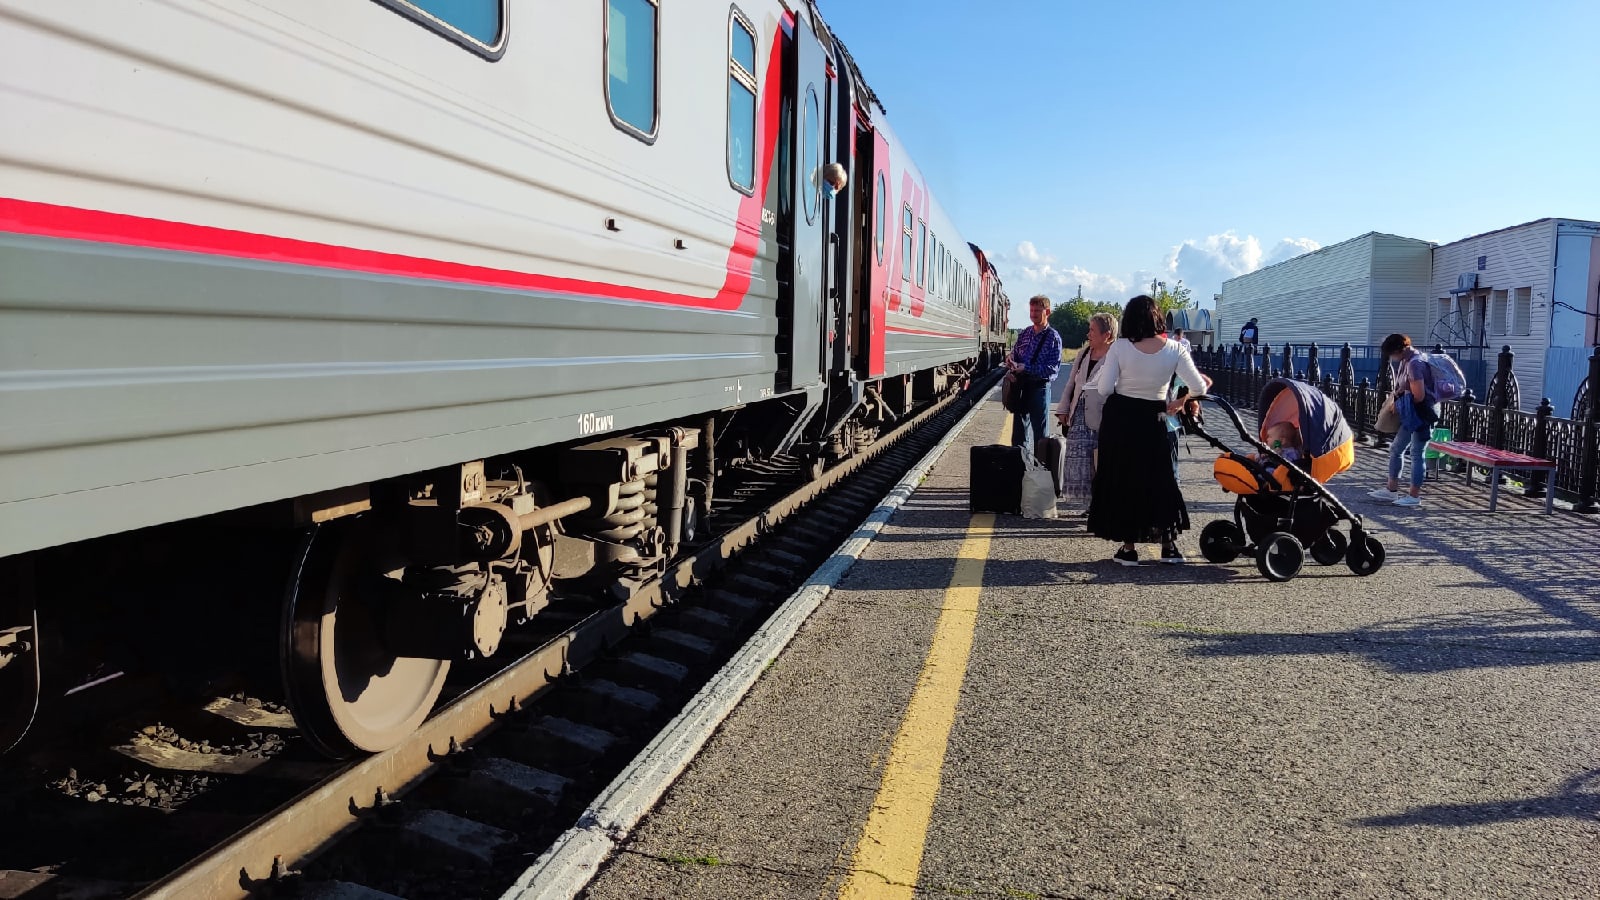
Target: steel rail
x,y
290,835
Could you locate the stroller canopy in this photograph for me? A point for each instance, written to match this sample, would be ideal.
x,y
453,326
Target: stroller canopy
x,y
1323,430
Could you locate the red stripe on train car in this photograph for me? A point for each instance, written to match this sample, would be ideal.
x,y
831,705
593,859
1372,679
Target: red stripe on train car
x,y
73,223
895,329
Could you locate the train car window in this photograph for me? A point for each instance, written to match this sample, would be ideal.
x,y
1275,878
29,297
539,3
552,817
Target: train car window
x,y
786,159
478,25
632,38
741,103
812,136
922,246
906,234
881,221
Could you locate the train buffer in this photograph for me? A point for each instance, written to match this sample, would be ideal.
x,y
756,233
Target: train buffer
x,y
988,706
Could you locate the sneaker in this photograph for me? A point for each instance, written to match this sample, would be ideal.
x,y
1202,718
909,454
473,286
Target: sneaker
x,y
1171,555
1385,494
1408,500
1127,557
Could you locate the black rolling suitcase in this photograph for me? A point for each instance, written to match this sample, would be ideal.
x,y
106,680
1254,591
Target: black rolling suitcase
x,y
995,479
1051,452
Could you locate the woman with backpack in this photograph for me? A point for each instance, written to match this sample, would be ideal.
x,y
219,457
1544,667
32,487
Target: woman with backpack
x,y
1414,402
1073,412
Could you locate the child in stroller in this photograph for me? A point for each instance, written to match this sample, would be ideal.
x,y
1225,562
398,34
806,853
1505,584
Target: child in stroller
x,y
1284,439
1284,505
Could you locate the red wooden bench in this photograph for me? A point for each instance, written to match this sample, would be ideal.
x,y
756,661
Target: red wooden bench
x,y
1495,460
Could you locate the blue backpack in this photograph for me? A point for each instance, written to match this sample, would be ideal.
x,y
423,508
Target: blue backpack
x,y
1444,379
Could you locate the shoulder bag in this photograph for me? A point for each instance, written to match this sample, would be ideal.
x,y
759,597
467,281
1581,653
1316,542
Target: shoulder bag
x,y
1017,383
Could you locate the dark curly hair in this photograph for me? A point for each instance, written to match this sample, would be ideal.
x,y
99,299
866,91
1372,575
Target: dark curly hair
x,y
1142,319
1393,344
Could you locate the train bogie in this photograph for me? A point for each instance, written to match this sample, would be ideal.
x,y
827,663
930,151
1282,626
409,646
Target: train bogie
x,y
462,310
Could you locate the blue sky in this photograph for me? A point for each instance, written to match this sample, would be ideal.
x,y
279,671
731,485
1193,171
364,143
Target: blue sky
x,y
1104,143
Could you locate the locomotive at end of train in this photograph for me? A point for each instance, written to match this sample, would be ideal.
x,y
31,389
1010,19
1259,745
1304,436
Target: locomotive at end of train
x,y
339,337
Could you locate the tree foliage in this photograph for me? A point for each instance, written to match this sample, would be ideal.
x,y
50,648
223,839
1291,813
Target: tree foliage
x,y
1173,299
1071,318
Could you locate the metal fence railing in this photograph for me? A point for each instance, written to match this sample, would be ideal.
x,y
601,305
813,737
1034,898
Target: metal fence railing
x,y
1239,373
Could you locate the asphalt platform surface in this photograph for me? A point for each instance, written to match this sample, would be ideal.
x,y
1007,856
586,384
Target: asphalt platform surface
x,y
1194,731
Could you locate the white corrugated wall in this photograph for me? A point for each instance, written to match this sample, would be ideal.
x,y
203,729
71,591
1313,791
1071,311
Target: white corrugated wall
x,y
1321,296
1401,270
1518,257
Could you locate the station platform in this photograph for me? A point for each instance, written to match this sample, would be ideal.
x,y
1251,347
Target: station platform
x,y
988,706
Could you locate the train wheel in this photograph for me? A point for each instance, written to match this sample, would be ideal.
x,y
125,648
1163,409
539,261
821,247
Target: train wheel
x,y
19,652
348,692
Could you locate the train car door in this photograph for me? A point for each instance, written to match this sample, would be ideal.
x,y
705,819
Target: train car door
x,y
873,160
802,314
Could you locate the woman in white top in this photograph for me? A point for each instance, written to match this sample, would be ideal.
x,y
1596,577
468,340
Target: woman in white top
x,y
1136,499
1077,477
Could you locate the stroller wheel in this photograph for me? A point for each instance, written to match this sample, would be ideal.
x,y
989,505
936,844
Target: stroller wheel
x,y
1366,556
1280,556
1329,549
1221,541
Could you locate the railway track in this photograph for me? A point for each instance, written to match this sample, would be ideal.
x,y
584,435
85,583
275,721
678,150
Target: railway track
x,y
497,773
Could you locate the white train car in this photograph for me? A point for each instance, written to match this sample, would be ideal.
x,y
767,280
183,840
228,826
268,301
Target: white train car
x,y
367,268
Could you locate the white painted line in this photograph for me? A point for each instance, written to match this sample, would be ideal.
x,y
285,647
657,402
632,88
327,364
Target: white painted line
x,y
575,858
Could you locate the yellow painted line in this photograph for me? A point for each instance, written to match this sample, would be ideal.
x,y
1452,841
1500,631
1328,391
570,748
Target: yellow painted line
x,y
888,857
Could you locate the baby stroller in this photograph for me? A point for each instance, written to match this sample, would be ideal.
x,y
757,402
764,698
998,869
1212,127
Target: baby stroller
x,y
1283,507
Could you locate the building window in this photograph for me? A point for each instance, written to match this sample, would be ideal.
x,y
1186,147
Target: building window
x,y
1522,311
741,103
478,25
882,214
922,247
811,134
906,235
631,39
1498,312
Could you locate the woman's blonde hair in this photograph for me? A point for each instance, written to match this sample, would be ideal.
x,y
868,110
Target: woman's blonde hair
x,y
1107,322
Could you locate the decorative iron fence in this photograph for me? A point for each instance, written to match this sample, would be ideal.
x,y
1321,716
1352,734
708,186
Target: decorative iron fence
x,y
1239,374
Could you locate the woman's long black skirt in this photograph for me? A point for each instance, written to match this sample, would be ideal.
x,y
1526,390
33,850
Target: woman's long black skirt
x,y
1136,497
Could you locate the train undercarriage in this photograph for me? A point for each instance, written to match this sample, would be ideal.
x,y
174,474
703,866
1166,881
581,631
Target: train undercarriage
x,y
373,592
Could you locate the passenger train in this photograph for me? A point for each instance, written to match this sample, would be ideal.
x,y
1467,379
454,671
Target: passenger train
x,y
443,302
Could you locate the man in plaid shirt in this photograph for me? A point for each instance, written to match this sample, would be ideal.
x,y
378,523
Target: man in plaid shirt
x,y
1035,359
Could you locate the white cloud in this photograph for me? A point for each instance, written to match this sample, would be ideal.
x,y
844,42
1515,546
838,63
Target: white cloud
x,y
1038,272
1289,248
1201,264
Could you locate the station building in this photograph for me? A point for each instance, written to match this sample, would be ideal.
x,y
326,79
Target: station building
x,y
1532,287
